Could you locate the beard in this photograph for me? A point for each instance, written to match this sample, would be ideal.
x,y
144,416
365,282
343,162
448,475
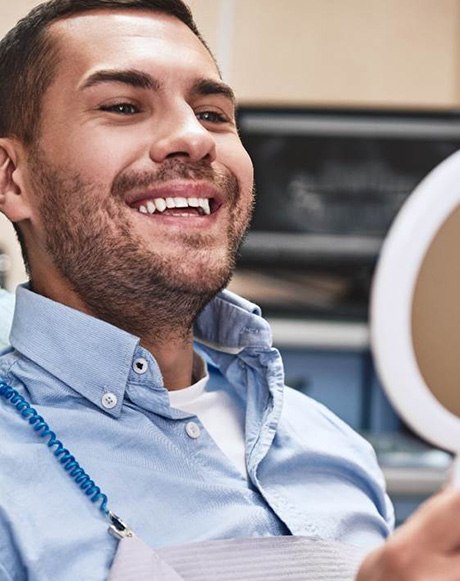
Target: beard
x,y
119,276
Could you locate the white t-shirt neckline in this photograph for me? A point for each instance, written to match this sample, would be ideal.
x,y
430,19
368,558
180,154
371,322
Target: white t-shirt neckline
x,y
218,411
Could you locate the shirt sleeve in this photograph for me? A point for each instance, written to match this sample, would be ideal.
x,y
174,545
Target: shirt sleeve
x,y
5,576
347,491
11,567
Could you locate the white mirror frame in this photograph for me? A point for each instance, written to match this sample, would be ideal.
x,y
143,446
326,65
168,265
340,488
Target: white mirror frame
x,y
402,256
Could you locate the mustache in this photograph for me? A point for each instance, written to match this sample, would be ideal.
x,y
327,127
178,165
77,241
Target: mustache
x,y
177,169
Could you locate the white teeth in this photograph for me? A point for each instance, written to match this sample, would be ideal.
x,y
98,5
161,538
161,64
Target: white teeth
x,y
205,205
160,204
181,202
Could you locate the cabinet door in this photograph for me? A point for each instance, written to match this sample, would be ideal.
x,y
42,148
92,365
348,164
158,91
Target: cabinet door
x,y
328,52
347,52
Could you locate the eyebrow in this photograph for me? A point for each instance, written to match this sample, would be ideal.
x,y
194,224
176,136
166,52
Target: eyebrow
x,y
140,80
211,87
129,77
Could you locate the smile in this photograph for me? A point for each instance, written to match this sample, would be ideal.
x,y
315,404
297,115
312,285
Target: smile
x,y
178,199
179,206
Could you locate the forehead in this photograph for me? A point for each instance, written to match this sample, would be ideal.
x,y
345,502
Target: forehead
x,y
129,38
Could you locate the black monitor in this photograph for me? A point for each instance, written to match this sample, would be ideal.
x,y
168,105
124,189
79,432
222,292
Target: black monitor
x,y
329,183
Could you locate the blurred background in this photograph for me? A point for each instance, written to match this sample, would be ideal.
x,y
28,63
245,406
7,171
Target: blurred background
x,y
345,105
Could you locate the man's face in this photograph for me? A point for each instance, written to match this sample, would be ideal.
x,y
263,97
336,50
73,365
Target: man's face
x,y
139,167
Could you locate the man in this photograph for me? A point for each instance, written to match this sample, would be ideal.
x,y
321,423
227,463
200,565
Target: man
x,y
123,173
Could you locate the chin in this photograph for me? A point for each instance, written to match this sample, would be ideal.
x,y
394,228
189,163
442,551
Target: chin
x,y
206,278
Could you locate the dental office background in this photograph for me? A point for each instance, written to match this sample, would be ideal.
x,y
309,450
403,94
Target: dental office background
x,y
344,106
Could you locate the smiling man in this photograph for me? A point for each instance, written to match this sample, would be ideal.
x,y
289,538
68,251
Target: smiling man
x,y
124,175
140,160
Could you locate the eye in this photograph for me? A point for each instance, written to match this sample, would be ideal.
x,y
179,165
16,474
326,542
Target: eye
x,y
121,108
212,117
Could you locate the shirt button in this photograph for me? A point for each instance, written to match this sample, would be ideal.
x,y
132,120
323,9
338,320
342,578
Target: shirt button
x,y
109,400
193,430
140,365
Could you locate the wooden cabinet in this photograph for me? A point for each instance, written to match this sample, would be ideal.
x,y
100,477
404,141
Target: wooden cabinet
x,y
396,53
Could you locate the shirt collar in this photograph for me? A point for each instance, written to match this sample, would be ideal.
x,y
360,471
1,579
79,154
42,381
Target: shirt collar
x,y
87,354
93,357
230,323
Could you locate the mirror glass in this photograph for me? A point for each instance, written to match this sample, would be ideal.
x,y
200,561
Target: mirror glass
x,y
436,315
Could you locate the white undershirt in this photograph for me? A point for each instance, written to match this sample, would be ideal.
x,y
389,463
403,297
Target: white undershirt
x,y
219,413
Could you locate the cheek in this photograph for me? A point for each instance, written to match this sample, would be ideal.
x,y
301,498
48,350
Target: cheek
x,y
247,171
236,159
95,156
103,158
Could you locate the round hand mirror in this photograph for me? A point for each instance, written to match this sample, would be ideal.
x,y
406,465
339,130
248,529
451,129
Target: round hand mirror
x,y
415,309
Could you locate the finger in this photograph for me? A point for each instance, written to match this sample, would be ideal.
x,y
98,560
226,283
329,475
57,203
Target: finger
x,y
402,559
436,525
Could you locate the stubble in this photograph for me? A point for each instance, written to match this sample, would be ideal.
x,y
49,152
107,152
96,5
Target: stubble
x,y
121,279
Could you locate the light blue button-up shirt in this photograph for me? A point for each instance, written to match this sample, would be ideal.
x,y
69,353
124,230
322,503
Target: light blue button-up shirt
x,y
6,315
309,474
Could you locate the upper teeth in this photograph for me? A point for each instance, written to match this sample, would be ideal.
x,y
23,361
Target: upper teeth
x,y
161,204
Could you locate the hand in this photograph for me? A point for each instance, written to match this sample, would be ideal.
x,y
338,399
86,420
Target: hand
x,y
425,548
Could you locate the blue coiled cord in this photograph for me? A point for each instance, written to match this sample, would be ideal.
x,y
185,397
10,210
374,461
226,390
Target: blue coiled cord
x,y
69,463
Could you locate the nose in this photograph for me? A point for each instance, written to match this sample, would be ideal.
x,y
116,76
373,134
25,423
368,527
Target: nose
x,y
182,135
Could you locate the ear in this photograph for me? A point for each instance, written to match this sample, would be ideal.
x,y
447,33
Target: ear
x,y
13,196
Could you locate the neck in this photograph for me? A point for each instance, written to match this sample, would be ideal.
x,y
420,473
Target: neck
x,y
175,359
165,333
